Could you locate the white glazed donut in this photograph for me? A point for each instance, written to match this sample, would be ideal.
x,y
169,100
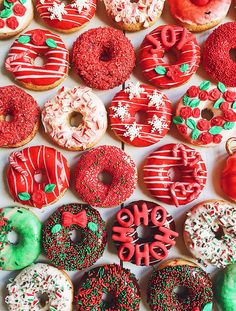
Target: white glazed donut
x,y
25,291
136,15
15,16
58,111
209,232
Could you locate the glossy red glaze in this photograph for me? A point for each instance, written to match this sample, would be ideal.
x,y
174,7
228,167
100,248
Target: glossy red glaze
x,y
228,177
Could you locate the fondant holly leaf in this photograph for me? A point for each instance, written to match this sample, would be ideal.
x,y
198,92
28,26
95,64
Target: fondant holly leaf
x,y
160,70
6,13
177,120
204,86
184,67
49,188
186,100
215,130
191,123
92,226
51,43
229,125
194,102
234,105
24,39
195,134
56,228
7,4
218,103
24,196
221,87
23,1
208,307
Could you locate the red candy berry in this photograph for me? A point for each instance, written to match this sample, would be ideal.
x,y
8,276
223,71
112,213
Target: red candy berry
x,y
196,113
38,197
203,95
173,72
224,106
185,112
214,94
216,121
200,2
38,37
193,91
12,1
206,138
229,115
217,138
2,223
182,129
2,24
12,22
230,96
203,125
19,10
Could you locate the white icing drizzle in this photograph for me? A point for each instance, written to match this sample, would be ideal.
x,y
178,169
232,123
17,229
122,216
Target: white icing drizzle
x,y
57,10
134,90
32,282
158,124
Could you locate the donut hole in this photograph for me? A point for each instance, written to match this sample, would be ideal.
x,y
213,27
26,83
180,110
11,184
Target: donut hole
x,y
105,177
75,236
40,177
171,56
141,117
106,54
174,174
181,292
219,233
232,55
40,61
108,300
13,238
76,119
144,233
43,299
207,114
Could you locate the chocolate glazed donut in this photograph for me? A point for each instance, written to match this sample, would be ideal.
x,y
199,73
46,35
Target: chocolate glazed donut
x,y
147,250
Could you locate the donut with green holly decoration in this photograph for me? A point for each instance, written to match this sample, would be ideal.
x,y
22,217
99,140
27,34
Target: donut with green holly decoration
x,y
108,279
15,16
58,245
206,117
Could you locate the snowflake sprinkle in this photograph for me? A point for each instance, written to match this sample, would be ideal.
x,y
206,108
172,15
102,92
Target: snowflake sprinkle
x,y
134,90
132,131
121,111
158,124
57,10
80,5
156,100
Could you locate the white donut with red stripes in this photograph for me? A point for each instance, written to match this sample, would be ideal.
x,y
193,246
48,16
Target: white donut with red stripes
x,y
66,17
192,170
126,104
32,161
24,51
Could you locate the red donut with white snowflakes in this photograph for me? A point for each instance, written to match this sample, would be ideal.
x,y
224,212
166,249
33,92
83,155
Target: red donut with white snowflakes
x,y
68,17
206,117
192,174
161,40
127,103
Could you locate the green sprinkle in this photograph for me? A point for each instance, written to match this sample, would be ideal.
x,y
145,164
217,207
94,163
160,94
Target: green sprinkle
x,y
184,67
24,39
55,229
160,70
24,196
51,43
204,86
49,188
92,226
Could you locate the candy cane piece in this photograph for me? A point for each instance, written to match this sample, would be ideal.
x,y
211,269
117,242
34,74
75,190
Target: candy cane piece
x,y
9,60
195,193
13,162
196,160
180,147
173,193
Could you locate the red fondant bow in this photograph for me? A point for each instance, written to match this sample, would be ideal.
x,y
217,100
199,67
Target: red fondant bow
x,y
79,219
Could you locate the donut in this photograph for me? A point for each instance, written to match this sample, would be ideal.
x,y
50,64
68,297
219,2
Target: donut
x,y
15,16
22,109
147,250
225,288
228,181
66,18
114,279
199,15
206,117
209,232
28,228
198,294
58,246
26,291
23,168
103,57
134,15
135,98
29,46
188,163
116,163
169,38
58,112
216,54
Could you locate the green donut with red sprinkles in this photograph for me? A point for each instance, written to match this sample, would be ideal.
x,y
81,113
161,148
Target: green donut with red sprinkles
x,y
112,279
196,294
58,245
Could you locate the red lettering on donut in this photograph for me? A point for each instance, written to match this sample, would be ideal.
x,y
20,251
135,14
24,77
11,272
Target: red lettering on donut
x,y
126,247
121,235
141,214
166,237
184,39
156,222
155,42
156,255
124,222
164,36
139,255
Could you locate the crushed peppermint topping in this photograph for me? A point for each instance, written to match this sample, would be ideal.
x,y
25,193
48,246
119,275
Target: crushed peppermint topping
x,y
132,131
80,5
121,111
134,90
156,100
158,124
57,10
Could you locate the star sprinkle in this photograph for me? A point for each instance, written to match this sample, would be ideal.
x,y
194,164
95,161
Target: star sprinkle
x,y
121,111
132,131
156,100
80,5
134,90
57,10
158,124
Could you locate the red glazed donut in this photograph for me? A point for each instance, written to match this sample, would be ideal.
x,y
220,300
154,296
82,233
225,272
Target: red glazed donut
x,y
108,159
66,18
24,110
193,174
27,48
143,251
103,57
24,165
216,58
137,98
153,48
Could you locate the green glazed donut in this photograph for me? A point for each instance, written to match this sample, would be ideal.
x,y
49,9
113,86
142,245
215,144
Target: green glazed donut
x,y
28,228
225,289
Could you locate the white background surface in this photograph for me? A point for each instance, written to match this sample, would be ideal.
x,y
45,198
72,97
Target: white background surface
x,y
214,157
